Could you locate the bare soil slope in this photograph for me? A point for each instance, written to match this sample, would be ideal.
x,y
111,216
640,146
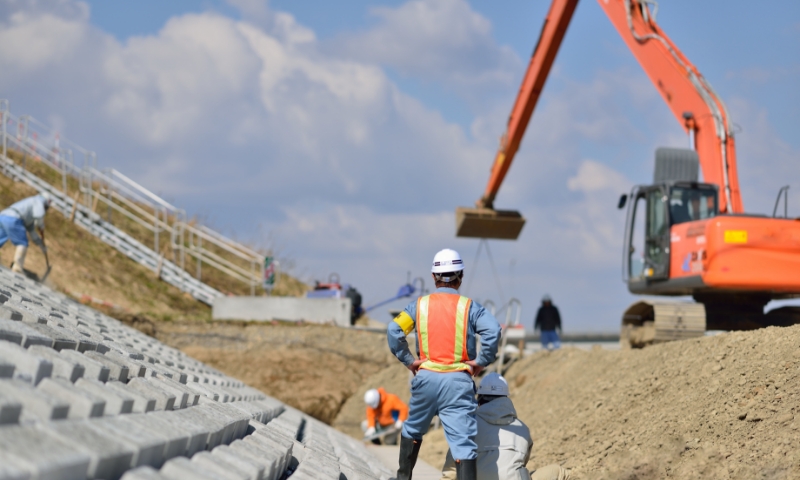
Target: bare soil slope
x,y
314,368
715,407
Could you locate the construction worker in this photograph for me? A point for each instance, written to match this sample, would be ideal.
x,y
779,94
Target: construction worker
x,y
384,410
446,325
22,218
548,320
504,441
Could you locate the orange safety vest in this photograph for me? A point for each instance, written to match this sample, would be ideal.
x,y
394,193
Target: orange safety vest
x,y
442,327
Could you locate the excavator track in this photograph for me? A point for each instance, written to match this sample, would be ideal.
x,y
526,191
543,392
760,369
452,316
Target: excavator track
x,y
647,322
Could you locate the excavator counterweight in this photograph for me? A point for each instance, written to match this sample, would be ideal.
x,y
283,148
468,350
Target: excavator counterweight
x,y
488,223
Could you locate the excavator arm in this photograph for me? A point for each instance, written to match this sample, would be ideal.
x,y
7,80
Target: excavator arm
x,y
690,98
553,30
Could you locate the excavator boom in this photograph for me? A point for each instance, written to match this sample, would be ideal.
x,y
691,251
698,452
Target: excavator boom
x,y
484,221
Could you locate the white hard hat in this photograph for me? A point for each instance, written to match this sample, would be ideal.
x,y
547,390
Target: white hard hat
x,y
446,261
47,197
372,398
493,384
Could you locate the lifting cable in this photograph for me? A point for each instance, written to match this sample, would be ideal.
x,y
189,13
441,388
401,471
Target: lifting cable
x,y
485,243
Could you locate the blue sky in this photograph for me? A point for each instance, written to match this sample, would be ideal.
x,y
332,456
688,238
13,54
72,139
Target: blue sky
x,y
343,134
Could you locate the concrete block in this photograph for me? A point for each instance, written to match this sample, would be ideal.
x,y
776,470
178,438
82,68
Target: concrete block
x,y
182,468
82,404
148,446
6,368
254,469
143,473
197,388
62,366
92,368
28,334
235,420
164,400
9,470
96,338
62,339
267,450
117,403
109,458
35,403
177,440
27,366
181,396
271,466
141,402
197,434
8,312
221,467
42,454
207,421
135,367
10,409
315,310
192,397
116,370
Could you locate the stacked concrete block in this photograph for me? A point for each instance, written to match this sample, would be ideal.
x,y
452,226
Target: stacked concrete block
x,y
84,396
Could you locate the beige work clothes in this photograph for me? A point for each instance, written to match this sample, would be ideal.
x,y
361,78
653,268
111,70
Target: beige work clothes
x,y
504,444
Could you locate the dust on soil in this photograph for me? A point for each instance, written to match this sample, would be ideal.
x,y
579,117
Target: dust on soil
x,y
715,407
314,368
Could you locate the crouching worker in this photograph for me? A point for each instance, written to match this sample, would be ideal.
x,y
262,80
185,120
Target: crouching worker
x,y
504,442
23,218
384,411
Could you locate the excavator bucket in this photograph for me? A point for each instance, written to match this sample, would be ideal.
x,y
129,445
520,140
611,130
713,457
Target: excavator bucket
x,y
488,223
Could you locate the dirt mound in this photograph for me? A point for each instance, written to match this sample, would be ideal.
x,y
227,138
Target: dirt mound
x,y
395,379
714,407
314,368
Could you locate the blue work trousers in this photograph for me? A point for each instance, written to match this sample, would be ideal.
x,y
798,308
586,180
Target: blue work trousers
x,y
12,228
550,337
452,397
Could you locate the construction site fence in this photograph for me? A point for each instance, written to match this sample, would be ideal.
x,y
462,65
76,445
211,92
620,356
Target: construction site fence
x,y
119,200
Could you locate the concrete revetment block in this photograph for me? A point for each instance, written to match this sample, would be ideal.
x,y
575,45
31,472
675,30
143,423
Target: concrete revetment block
x,y
148,446
144,473
109,457
116,370
10,409
62,340
164,400
35,403
220,467
82,403
92,368
177,440
141,402
224,453
42,454
27,365
181,468
117,403
62,366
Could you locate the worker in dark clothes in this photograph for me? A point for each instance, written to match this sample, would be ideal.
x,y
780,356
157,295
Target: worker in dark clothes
x,y
548,322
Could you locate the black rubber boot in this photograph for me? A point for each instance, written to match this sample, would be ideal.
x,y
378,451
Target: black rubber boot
x,y
409,449
467,469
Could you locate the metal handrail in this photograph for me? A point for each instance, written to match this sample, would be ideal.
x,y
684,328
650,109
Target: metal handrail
x,y
119,193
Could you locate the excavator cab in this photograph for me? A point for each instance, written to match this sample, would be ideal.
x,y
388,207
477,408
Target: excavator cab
x,y
675,197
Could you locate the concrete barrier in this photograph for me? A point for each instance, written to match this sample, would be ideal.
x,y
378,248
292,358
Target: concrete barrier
x,y
315,310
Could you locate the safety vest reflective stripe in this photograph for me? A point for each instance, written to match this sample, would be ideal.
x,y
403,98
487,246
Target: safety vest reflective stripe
x,y
442,326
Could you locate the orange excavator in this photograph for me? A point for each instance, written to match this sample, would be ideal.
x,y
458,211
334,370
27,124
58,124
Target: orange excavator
x,y
682,236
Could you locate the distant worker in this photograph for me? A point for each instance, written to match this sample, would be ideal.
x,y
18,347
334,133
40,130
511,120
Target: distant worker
x,y
446,325
548,320
384,411
504,441
23,218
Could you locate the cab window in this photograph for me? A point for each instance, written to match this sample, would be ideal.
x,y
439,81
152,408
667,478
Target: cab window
x,y
691,204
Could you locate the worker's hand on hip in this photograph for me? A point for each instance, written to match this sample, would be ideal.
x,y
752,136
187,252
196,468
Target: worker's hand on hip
x,y
398,424
414,367
370,431
476,369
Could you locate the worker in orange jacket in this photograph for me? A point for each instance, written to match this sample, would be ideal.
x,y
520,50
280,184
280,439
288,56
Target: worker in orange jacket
x,y
384,410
